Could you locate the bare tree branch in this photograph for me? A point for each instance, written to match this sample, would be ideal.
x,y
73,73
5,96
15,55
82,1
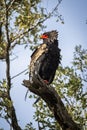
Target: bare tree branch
x,y
53,100
19,73
10,4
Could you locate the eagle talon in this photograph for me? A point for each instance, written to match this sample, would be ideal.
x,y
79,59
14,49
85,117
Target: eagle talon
x,y
45,81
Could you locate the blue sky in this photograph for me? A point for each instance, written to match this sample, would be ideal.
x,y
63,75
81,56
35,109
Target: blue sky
x,y
72,33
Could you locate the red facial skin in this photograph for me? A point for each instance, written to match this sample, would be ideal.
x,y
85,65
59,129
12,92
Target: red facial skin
x,y
43,36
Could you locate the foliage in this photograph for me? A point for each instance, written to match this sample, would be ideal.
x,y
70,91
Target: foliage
x,y
29,127
25,21
5,103
70,83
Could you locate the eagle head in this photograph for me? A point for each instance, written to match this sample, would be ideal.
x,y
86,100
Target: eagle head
x,y
50,36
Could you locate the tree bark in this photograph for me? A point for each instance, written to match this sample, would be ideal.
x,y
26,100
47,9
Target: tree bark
x,y
53,100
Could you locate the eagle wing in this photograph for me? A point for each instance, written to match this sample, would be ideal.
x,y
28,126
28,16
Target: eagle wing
x,y
35,56
44,62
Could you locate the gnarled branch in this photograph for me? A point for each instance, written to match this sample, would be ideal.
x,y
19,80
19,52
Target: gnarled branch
x,y
53,100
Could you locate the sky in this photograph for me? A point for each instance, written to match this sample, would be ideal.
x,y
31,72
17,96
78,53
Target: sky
x,y
73,32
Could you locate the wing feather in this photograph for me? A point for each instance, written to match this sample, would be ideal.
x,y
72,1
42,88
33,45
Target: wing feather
x,y
36,55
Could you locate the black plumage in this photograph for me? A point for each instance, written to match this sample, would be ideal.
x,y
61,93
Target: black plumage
x,y
46,58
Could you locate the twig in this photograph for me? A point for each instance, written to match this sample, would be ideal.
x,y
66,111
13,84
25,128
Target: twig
x,y
10,4
19,73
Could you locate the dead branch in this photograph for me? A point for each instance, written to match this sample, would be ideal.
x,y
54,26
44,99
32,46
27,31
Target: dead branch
x,y
19,73
53,100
